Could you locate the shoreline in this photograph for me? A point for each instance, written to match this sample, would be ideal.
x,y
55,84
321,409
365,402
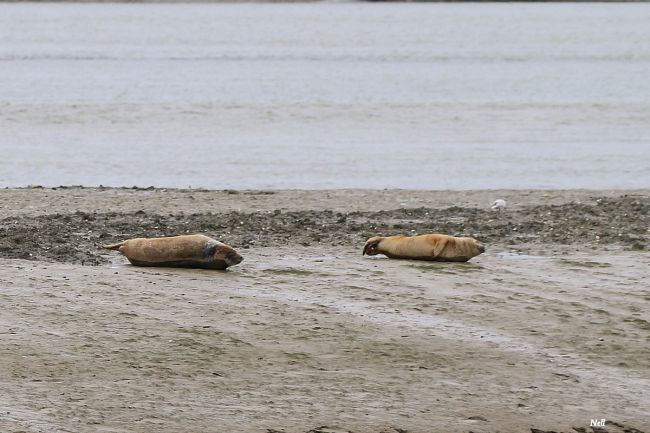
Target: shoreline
x,y
312,1
44,200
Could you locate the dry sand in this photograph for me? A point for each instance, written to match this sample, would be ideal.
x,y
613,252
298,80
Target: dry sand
x,y
546,330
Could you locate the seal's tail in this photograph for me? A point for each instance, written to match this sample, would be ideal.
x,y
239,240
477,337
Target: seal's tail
x,y
113,246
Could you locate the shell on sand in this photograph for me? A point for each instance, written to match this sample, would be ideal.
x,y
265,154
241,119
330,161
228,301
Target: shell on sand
x,y
432,247
187,251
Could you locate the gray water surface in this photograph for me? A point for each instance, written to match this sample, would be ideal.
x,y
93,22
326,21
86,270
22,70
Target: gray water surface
x,y
326,95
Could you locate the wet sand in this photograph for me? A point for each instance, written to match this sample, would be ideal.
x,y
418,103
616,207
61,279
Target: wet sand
x,y
546,330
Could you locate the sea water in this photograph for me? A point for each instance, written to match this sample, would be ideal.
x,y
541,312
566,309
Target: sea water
x,y
326,95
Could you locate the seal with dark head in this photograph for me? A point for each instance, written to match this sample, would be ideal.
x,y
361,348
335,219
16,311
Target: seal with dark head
x,y
431,247
187,251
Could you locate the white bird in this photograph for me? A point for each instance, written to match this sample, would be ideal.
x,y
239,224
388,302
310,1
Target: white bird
x,y
499,204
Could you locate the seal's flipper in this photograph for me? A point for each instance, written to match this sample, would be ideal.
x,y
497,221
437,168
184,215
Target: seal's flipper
x,y
113,246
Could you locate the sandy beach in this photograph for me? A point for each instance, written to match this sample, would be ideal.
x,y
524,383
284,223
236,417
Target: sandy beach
x,y
545,331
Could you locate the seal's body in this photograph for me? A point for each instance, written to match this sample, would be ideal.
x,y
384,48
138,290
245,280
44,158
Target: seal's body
x,y
432,247
188,251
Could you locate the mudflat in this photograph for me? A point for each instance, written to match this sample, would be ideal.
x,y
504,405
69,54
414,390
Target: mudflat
x,y
546,331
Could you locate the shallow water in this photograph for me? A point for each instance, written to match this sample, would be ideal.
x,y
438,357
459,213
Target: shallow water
x,y
431,96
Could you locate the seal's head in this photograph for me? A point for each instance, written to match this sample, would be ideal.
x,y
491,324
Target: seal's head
x,y
372,246
472,248
230,256
217,251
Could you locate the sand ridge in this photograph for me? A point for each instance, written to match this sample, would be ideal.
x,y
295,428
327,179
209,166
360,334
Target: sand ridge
x,y
69,224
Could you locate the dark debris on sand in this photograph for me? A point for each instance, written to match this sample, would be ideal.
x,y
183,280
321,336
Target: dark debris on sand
x,y
76,237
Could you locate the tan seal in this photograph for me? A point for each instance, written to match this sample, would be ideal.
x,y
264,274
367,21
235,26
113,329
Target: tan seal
x,y
431,247
188,251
